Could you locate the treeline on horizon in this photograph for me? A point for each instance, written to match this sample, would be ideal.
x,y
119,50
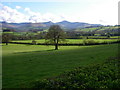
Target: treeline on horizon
x,y
70,34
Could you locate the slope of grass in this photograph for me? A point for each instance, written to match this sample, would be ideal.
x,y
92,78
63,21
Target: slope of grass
x,y
25,63
105,75
97,28
87,29
70,40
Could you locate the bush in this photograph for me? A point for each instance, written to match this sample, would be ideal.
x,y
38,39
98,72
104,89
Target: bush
x,y
96,76
89,42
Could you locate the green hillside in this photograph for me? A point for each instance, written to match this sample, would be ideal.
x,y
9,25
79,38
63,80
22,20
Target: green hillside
x,y
23,64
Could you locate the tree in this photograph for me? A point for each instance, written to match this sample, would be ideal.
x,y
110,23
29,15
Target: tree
x,y
108,35
6,38
33,42
55,35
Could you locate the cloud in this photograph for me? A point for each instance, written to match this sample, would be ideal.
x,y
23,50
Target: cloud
x,y
31,13
102,13
27,9
38,17
18,7
12,15
52,17
105,13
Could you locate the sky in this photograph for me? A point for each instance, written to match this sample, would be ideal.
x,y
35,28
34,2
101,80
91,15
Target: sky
x,y
103,12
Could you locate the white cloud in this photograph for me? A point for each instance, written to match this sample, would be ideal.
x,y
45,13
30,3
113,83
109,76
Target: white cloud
x,y
102,13
11,15
30,12
105,13
27,9
52,17
18,7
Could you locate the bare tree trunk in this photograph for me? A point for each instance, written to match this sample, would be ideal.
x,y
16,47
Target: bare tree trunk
x,y
6,43
56,46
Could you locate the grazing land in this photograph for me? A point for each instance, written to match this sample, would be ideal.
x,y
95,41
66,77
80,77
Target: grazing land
x,y
23,64
57,45
103,75
70,40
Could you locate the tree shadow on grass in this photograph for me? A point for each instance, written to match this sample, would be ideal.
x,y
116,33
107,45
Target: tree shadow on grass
x,y
51,50
27,52
34,51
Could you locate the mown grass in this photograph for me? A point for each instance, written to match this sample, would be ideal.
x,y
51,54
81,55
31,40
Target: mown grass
x,y
23,64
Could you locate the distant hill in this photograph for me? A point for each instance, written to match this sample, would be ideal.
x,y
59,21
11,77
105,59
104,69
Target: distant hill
x,y
45,25
75,25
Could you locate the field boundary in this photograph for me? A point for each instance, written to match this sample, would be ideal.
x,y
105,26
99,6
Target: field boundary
x,y
67,44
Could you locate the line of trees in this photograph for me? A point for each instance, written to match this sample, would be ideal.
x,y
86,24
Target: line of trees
x,y
55,35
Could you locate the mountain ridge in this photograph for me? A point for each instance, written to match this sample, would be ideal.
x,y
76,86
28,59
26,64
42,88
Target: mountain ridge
x,y
66,25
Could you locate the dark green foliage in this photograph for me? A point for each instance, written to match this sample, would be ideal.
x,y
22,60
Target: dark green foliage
x,y
104,75
55,35
6,37
108,35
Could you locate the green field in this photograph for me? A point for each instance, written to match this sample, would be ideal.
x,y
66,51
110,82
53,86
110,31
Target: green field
x,y
96,28
25,63
102,75
71,40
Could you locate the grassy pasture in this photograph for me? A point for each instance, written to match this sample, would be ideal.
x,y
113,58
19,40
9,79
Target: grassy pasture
x,y
25,63
70,40
105,75
111,37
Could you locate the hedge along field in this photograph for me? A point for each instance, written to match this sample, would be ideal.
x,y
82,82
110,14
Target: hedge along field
x,y
23,64
71,40
105,75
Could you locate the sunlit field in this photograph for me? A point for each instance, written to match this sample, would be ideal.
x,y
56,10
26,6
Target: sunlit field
x,y
70,40
25,63
59,45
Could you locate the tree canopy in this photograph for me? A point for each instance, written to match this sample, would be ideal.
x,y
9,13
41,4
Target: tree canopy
x,y
55,35
6,38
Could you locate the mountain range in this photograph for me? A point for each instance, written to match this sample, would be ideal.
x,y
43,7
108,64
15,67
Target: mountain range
x,y
66,25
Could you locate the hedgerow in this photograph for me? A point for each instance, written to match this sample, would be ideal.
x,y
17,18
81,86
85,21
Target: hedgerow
x,y
104,75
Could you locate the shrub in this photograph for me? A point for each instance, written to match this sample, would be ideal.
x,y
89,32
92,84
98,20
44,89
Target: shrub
x,y
91,41
88,42
96,76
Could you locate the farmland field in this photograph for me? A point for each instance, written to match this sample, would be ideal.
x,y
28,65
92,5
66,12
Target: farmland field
x,y
25,63
59,45
70,40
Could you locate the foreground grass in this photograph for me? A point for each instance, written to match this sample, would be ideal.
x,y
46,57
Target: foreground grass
x,y
25,63
105,75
